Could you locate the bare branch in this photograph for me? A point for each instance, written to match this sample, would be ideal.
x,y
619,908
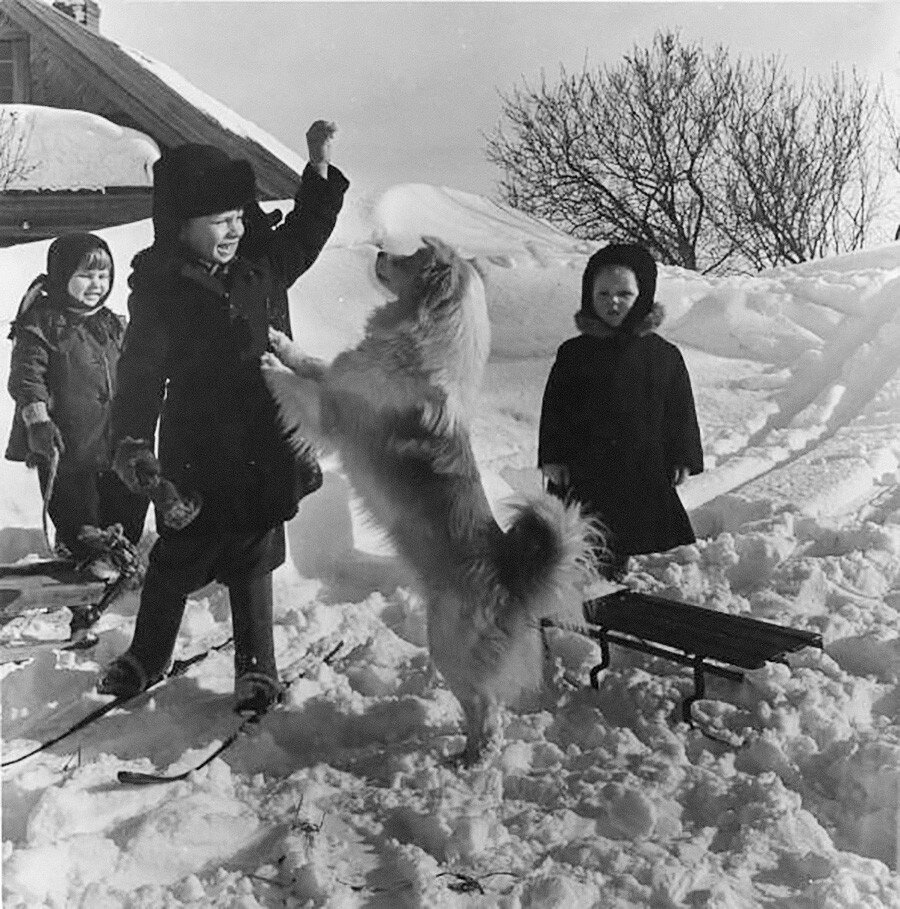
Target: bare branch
x,y
713,163
14,137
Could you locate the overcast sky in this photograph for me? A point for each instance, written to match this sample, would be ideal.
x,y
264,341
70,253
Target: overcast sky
x,y
414,86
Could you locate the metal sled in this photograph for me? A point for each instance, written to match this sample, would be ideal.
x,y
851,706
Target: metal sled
x,y
710,642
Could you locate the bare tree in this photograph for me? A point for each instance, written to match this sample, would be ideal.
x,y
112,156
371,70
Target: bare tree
x,y
14,137
805,169
700,157
623,151
893,146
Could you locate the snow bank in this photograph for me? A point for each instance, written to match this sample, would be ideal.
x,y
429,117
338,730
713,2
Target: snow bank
x,y
599,797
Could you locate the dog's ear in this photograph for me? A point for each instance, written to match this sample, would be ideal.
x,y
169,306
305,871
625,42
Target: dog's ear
x,y
443,273
441,251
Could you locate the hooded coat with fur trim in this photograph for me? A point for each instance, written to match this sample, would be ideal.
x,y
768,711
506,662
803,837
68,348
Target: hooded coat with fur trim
x,y
191,361
618,411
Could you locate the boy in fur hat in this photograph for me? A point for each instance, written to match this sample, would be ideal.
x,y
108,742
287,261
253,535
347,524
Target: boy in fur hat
x,y
203,297
66,345
618,428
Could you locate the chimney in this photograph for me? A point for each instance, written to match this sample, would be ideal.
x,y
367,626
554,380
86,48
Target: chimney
x,y
84,12
92,15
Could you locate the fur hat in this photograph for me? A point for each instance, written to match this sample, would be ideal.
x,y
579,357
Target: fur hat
x,y
192,180
630,255
64,256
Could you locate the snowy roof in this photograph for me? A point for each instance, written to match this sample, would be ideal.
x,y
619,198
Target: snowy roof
x,y
148,94
220,112
72,149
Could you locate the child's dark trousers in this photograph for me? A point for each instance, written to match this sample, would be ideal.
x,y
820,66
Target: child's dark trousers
x,y
94,497
182,563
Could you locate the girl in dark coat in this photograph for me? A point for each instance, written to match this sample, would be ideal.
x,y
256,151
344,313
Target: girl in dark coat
x,y
618,428
66,346
203,298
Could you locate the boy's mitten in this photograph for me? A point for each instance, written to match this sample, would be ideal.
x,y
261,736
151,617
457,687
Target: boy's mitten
x,y
174,510
139,469
136,465
44,439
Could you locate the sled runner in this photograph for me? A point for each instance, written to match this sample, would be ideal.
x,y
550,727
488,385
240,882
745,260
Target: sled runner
x,y
710,642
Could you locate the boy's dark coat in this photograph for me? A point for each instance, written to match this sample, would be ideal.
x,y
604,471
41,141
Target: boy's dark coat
x,y
192,352
75,356
621,429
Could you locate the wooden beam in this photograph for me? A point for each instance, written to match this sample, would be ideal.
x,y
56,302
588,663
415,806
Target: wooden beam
x,y
36,216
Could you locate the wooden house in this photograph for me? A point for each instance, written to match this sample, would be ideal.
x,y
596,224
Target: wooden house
x,y
54,56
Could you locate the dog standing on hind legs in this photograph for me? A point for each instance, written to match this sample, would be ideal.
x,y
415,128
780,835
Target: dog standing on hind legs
x,y
397,409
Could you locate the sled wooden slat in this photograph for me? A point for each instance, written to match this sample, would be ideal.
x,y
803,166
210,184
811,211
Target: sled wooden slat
x,y
710,642
44,586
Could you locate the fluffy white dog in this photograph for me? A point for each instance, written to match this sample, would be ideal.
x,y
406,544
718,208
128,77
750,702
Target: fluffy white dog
x,y
397,408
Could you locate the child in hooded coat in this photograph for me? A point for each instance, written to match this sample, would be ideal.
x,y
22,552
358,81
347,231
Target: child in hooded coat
x,y
63,370
618,428
203,298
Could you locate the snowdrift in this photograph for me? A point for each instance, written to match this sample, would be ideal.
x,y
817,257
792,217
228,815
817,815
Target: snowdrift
x,y
600,798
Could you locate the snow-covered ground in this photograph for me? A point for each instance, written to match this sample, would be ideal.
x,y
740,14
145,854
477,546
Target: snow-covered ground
x,y
600,798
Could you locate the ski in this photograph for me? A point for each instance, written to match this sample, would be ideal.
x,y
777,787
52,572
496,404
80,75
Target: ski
x,y
179,667
138,778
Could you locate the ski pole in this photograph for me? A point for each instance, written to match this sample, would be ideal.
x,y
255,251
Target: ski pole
x,y
48,494
137,778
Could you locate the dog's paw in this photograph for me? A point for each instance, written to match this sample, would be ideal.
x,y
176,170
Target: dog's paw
x,y
285,350
285,354
269,361
279,341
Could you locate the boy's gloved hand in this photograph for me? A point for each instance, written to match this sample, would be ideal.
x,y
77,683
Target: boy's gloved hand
x,y
45,439
138,468
175,511
136,465
319,139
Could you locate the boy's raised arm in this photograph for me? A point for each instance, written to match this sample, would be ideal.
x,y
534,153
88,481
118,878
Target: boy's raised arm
x,y
296,243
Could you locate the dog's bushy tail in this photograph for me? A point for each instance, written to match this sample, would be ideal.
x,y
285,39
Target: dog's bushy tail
x,y
546,557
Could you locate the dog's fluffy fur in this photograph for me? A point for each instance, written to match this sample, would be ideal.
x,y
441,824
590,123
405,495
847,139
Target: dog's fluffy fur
x,y
397,408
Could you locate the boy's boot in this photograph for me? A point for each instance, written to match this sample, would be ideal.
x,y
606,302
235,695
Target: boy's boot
x,y
158,621
256,685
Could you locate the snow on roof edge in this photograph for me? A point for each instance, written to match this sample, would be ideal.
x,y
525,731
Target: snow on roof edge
x,y
215,109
